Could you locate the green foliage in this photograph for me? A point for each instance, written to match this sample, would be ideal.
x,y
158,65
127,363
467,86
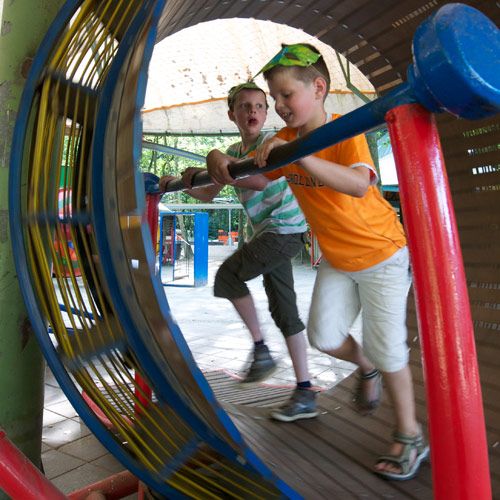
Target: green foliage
x,y
380,145
168,164
383,142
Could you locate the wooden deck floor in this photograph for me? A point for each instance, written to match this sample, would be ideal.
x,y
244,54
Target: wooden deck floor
x,y
332,456
327,457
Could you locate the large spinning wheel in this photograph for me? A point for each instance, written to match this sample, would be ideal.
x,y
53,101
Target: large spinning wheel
x,y
79,120
109,332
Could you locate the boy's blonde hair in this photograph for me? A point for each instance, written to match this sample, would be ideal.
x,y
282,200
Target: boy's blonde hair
x,y
305,74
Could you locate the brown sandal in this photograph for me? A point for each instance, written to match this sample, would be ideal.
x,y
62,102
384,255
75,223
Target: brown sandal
x,y
365,405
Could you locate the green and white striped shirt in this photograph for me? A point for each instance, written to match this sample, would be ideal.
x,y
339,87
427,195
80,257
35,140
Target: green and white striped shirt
x,y
273,210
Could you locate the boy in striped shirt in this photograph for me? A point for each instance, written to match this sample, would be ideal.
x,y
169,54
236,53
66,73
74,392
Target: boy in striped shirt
x,y
277,230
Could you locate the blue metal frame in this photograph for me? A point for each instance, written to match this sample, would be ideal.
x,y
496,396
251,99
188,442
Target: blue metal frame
x,y
21,262
200,264
152,367
165,392
200,249
475,94
173,243
456,55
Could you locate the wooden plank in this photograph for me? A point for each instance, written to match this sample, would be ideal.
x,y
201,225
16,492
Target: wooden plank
x,y
483,200
471,182
450,126
492,417
488,337
228,390
484,222
331,456
461,141
480,236
484,314
458,161
482,274
323,17
277,450
373,436
332,471
175,16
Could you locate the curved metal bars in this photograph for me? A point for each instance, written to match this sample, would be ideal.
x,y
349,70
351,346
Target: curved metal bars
x,y
75,197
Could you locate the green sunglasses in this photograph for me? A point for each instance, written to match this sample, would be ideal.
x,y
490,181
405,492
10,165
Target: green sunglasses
x,y
292,55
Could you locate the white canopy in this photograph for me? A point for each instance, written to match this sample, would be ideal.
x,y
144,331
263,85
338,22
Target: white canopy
x,y
192,71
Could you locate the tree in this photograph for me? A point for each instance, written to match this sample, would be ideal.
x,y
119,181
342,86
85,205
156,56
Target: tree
x,y
168,164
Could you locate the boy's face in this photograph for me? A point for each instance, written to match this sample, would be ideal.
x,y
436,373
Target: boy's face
x,y
296,102
249,111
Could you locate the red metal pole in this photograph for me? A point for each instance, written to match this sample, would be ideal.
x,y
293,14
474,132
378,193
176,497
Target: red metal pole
x,y
152,214
143,392
120,485
19,478
459,454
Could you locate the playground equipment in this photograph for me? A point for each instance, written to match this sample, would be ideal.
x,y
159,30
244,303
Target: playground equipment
x,y
185,259
171,245
184,443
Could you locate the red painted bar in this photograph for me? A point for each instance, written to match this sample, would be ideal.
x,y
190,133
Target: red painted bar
x,y
120,485
459,455
19,478
143,392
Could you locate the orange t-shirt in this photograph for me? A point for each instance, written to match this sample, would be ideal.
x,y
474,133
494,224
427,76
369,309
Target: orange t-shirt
x,y
353,233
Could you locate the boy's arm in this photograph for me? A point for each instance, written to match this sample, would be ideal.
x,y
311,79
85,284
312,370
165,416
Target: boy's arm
x,y
218,168
352,181
205,193
257,182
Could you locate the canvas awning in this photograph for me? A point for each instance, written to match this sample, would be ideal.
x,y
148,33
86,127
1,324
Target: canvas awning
x,y
191,72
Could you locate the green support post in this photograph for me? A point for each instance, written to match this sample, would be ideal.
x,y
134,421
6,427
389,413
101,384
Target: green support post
x,y
24,24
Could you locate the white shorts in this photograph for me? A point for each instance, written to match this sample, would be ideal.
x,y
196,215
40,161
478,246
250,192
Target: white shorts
x,y
380,293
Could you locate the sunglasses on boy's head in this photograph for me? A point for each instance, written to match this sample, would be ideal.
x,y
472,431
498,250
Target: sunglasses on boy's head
x,y
292,55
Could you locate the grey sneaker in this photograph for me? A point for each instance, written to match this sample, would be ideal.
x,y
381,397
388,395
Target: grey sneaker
x,y
302,404
262,365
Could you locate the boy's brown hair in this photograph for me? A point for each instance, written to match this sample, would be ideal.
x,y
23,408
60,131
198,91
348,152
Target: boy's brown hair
x,y
234,91
305,74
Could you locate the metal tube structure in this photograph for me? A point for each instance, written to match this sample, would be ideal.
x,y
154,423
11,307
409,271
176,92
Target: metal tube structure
x,y
456,420
143,392
466,88
117,486
19,478
22,365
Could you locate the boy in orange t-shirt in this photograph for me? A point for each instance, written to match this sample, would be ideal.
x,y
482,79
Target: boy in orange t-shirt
x,y
365,263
